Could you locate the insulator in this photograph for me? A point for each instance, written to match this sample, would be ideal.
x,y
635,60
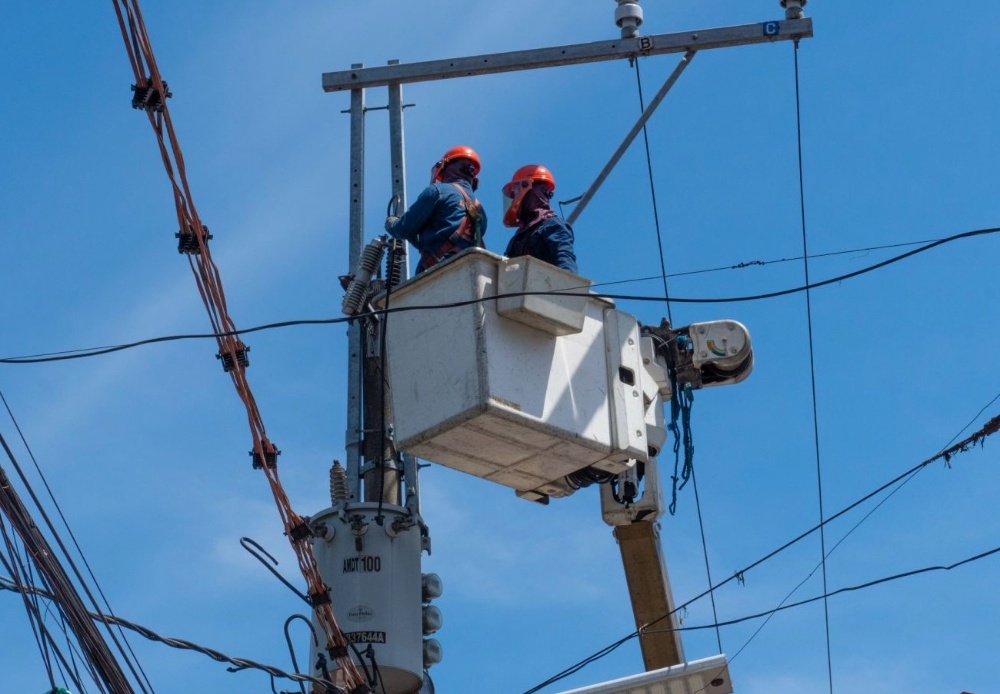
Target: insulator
x,y
628,16
339,491
371,256
793,8
394,263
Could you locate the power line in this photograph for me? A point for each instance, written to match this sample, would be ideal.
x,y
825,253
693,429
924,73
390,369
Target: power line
x,y
573,669
812,365
98,351
181,644
72,535
990,428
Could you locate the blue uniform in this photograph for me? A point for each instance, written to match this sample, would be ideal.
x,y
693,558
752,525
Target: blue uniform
x,y
433,220
551,241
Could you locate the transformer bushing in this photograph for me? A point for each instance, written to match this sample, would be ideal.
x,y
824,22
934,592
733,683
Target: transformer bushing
x,y
628,17
793,8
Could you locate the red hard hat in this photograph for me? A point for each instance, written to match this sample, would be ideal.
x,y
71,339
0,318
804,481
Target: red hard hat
x,y
462,152
531,172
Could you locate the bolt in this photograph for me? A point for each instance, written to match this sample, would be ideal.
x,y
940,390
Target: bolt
x,y
635,393
631,341
701,330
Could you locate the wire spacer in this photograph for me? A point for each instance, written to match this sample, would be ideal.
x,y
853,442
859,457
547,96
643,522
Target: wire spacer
x,y
271,454
320,598
337,652
300,531
187,240
148,97
228,360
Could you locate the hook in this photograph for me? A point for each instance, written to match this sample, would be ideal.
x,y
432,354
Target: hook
x,y
291,649
248,541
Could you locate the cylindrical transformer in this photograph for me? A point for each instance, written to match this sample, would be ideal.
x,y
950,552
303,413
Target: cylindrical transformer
x,y
373,572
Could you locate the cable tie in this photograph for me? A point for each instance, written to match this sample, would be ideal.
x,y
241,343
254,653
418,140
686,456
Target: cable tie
x,y
148,97
229,361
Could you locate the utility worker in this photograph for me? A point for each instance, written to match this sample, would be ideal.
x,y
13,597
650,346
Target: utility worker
x,y
540,233
445,218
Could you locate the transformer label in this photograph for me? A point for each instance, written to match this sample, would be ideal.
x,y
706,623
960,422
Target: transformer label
x,y
365,636
361,613
362,564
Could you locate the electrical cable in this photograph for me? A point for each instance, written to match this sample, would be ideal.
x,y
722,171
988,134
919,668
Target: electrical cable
x,y
812,364
990,428
72,535
652,193
181,644
15,567
93,352
151,94
53,571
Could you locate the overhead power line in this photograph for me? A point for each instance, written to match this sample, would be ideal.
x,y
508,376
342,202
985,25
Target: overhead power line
x,y
85,352
990,428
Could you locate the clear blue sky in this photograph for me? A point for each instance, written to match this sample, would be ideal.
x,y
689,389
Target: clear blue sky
x,y
146,450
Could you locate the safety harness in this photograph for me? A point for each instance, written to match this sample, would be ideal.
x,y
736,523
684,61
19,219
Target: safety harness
x,y
519,243
470,231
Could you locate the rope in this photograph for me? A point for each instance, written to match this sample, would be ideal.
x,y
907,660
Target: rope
x,y
812,367
680,408
208,280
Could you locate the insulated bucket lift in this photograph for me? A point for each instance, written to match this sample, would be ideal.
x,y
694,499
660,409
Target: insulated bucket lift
x,y
515,372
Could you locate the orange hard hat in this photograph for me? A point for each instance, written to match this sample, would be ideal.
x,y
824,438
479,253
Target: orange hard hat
x,y
533,173
520,183
461,152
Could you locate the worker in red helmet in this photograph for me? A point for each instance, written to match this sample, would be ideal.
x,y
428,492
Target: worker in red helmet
x,y
540,233
445,218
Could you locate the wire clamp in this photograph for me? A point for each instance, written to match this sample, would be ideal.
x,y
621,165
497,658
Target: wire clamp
x,y
301,531
187,240
337,652
271,454
321,598
148,97
229,361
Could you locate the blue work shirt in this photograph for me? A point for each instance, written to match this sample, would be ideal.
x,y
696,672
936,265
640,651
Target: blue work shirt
x,y
551,241
434,217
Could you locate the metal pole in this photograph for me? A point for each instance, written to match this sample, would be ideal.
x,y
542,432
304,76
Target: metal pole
x,y
631,136
397,152
397,158
355,355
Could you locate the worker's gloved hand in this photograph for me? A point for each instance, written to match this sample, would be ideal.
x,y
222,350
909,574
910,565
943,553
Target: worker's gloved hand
x,y
390,222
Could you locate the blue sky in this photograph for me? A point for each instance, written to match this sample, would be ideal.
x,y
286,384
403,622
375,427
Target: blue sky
x,y
146,450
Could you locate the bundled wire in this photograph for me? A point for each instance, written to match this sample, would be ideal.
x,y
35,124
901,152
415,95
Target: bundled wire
x,y
151,95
